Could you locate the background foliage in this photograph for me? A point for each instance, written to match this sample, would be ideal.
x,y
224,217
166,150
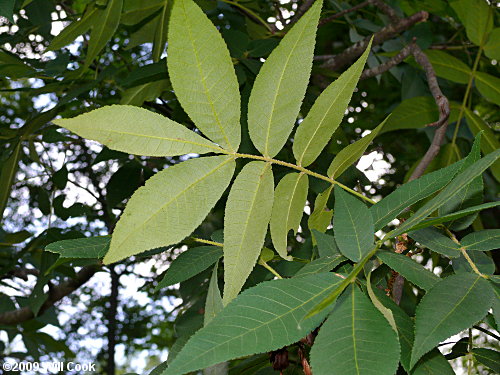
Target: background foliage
x,y
63,58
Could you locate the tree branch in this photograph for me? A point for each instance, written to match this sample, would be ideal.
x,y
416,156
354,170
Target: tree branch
x,y
56,294
342,13
338,61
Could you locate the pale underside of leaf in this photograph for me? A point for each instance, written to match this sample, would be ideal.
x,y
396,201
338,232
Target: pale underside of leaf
x,y
263,318
326,114
170,205
288,207
247,215
202,74
455,303
137,131
281,84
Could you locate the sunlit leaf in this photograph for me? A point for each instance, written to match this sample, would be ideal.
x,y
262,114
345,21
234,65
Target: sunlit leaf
x,y
248,211
314,133
289,201
202,74
116,127
281,84
177,198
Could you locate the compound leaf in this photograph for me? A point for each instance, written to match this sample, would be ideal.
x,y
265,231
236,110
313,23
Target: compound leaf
x,y
281,84
455,303
248,211
260,319
202,74
170,205
289,200
116,127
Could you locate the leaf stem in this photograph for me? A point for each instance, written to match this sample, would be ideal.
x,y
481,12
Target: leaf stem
x,y
270,269
304,170
208,242
344,284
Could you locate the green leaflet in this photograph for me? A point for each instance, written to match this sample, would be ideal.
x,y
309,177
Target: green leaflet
x,y
351,153
411,270
7,173
412,113
247,215
488,86
202,74
7,9
386,312
170,206
116,127
323,264
392,205
448,66
188,264
489,142
260,319
74,30
453,216
314,133
213,304
484,240
496,302
434,240
477,18
469,195
281,84
160,34
488,357
135,11
461,180
321,217
289,200
492,47
433,363
92,247
104,25
326,244
149,91
483,262
353,226
355,339
455,303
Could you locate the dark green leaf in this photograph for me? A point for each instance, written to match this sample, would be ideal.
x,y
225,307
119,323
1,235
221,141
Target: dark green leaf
x,y
326,244
483,262
323,264
92,247
488,357
434,240
485,240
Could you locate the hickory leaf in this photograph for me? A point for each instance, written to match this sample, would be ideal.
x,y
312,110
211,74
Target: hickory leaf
x,y
74,30
412,113
213,304
411,270
104,24
326,244
449,67
455,303
92,247
352,153
247,215
170,205
355,339
314,133
190,263
434,240
260,319
289,201
321,217
323,264
461,180
202,74
484,240
386,312
488,357
488,86
281,84
116,127
353,226
392,205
